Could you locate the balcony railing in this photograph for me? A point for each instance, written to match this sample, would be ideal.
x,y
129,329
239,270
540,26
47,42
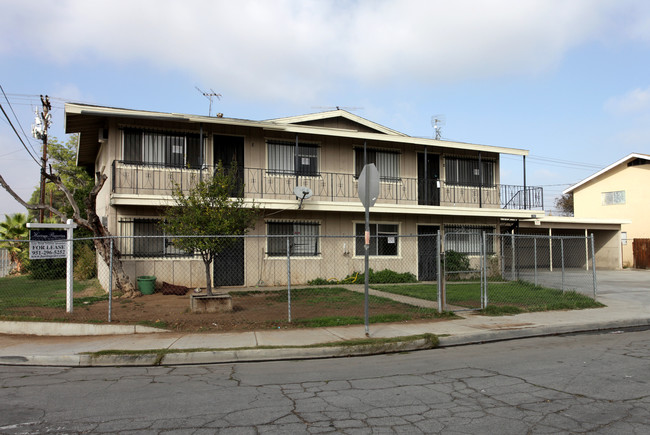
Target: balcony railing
x,y
146,179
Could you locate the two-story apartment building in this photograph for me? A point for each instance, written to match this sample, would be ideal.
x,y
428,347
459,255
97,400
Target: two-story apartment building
x,y
426,185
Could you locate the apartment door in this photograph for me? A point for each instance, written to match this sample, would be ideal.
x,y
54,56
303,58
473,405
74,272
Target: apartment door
x,y
427,252
428,177
229,149
228,265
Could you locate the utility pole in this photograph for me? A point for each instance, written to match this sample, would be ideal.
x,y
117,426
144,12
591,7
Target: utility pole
x,y
39,130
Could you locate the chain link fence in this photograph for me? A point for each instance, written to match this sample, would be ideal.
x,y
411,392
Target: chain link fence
x,y
298,278
526,272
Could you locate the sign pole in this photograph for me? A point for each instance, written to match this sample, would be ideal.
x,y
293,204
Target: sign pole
x,y
69,267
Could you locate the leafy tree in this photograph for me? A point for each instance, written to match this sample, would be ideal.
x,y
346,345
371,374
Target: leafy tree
x,y
565,204
15,228
212,207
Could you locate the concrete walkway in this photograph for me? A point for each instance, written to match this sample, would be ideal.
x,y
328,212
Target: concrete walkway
x,y
74,345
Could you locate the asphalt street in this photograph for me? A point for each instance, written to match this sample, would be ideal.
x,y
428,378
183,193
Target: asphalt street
x,y
596,383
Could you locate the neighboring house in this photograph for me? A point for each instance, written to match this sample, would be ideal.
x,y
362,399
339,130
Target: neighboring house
x,y
426,185
619,191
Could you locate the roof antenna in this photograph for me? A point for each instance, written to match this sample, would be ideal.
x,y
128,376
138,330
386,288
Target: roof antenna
x,y
209,96
437,121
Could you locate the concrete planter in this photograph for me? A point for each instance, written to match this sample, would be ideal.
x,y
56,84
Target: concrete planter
x,y
211,304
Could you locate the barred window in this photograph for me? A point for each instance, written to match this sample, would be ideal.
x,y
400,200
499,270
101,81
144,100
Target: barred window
x,y
303,243
467,239
383,239
164,149
613,198
284,158
465,172
147,239
387,163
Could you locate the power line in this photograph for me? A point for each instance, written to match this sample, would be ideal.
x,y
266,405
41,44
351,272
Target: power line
x,y
17,120
18,135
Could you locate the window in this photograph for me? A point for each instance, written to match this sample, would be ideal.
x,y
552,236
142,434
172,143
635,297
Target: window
x,y
465,172
164,149
623,237
156,245
304,242
387,163
613,198
284,158
468,239
383,239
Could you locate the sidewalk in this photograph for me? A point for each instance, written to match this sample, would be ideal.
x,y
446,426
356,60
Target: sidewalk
x,y
170,348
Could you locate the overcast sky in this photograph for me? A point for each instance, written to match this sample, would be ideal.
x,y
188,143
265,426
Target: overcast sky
x,y
567,80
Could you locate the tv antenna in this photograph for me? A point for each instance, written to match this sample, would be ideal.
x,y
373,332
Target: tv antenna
x,y
209,96
302,193
437,122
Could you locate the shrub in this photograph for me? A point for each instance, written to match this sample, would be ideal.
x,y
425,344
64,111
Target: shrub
x,y
47,268
85,263
456,261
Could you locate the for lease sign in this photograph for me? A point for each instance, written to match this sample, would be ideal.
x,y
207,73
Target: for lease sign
x,y
47,243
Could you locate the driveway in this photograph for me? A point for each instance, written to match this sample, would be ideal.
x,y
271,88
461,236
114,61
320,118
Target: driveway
x,y
630,285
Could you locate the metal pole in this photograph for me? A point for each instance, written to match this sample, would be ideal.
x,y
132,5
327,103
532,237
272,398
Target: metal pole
x,y
535,250
562,256
593,266
480,182
289,278
438,273
367,242
485,271
512,248
525,193
110,284
586,250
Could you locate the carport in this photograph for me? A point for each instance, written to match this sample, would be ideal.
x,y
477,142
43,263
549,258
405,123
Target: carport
x,y
607,236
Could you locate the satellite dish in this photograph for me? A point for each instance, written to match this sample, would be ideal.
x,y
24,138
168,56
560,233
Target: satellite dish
x,y
302,193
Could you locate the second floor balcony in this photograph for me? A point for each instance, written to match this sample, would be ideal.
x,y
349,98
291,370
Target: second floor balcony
x,y
261,184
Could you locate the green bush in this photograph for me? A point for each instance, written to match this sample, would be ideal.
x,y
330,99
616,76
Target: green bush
x,y
385,276
85,263
456,261
47,268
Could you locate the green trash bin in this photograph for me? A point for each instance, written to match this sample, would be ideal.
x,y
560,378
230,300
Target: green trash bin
x,y
146,284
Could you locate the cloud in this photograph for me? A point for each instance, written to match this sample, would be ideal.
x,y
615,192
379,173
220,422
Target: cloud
x,y
301,49
634,102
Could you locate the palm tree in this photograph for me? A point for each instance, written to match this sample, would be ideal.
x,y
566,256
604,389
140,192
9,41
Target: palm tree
x,y
14,228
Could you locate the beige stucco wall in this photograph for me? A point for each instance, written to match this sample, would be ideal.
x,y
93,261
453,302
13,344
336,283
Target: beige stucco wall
x,y
634,180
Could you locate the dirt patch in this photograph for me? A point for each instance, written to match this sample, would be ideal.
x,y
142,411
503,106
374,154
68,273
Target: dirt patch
x,y
251,311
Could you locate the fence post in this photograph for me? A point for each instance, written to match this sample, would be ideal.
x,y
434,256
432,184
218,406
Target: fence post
x,y
485,272
535,254
562,258
593,266
512,248
289,278
110,283
440,300
442,290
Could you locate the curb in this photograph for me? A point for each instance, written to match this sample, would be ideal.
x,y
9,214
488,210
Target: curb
x,y
72,329
165,358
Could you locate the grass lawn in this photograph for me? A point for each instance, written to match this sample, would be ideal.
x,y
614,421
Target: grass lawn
x,y
22,291
520,296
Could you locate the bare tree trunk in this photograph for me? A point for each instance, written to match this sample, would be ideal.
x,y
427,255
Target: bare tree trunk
x,y
93,224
